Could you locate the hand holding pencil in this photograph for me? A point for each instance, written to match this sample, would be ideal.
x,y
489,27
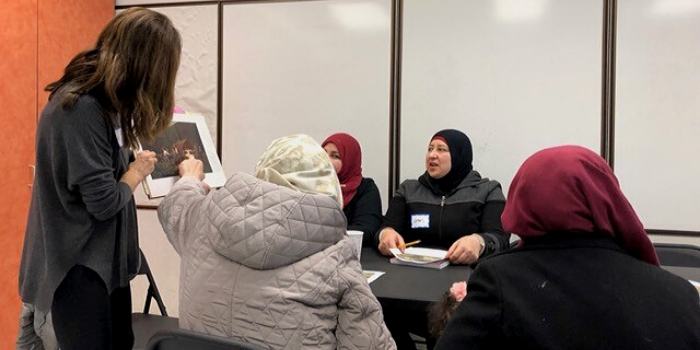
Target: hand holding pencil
x,y
389,238
403,246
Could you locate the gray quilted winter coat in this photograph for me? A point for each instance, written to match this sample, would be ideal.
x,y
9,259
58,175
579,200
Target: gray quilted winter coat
x,y
271,266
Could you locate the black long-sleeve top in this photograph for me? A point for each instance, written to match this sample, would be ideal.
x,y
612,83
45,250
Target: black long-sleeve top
x,y
364,212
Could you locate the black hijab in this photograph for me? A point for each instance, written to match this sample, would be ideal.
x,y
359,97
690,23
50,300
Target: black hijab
x,y
461,156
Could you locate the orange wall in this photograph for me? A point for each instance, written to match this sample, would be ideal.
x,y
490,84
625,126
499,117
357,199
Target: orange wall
x,y
38,39
18,69
66,28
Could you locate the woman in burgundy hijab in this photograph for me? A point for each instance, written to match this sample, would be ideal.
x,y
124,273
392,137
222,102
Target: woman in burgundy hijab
x,y
361,202
586,275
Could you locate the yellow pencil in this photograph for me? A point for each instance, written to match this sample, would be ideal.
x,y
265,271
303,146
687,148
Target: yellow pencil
x,y
408,244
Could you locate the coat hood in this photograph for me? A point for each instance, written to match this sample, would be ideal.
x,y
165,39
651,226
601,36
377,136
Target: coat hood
x,y
266,226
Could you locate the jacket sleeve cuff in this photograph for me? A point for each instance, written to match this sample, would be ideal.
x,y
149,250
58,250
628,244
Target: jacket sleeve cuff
x,y
191,182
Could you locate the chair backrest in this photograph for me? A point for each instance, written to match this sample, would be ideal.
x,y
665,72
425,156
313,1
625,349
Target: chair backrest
x,y
180,339
153,292
678,254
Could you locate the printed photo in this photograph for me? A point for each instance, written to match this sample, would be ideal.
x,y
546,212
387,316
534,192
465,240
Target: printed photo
x,y
418,259
188,135
178,141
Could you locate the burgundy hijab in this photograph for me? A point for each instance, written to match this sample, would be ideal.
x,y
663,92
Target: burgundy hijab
x,y
350,173
570,188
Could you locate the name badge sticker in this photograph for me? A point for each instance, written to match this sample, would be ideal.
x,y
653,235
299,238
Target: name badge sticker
x,y
420,221
120,136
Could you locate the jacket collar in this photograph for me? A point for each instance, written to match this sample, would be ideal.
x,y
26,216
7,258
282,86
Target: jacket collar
x,y
472,179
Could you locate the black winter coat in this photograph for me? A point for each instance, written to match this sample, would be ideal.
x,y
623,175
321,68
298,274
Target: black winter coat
x,y
474,206
570,291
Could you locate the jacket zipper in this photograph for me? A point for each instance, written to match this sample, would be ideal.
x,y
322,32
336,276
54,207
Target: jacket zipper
x,y
442,208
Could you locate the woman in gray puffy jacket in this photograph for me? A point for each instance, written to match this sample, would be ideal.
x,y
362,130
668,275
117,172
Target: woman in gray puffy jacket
x,y
266,258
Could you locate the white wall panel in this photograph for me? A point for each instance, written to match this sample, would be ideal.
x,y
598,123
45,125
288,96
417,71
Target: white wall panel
x,y
515,75
197,78
195,89
151,2
164,263
657,144
313,67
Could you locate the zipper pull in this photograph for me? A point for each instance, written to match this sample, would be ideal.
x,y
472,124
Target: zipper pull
x,y
442,203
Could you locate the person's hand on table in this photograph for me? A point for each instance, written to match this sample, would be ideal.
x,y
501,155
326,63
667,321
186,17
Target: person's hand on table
x,y
465,250
388,239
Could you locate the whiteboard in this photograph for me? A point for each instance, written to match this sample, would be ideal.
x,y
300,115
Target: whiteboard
x,y
312,67
657,143
515,75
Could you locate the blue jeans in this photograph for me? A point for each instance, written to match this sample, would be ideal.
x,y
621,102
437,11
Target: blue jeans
x,y
35,330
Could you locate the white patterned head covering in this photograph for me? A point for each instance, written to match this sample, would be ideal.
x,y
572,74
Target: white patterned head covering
x,y
300,163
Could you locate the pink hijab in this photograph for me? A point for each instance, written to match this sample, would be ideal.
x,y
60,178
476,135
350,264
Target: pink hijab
x,y
350,174
570,188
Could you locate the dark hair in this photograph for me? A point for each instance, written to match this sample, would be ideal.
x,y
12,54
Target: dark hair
x,y
440,314
131,71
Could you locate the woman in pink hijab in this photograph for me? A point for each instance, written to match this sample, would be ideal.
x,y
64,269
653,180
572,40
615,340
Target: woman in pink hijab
x,y
361,202
586,275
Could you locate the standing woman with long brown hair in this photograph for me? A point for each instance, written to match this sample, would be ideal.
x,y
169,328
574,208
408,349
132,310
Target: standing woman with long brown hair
x,y
81,241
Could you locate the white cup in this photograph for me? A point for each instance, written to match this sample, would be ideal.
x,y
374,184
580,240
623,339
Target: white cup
x,y
356,238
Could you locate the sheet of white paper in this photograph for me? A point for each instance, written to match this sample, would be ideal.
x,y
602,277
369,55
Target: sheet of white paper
x,y
695,284
371,276
419,255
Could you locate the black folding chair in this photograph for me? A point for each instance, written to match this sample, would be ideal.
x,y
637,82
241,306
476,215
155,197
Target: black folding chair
x,y
180,339
146,324
152,292
683,255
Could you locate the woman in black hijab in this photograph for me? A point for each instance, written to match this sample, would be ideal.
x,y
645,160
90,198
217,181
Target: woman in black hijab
x,y
450,206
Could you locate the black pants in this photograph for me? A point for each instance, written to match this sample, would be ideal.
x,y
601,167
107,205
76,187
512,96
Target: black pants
x,y
402,322
86,317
